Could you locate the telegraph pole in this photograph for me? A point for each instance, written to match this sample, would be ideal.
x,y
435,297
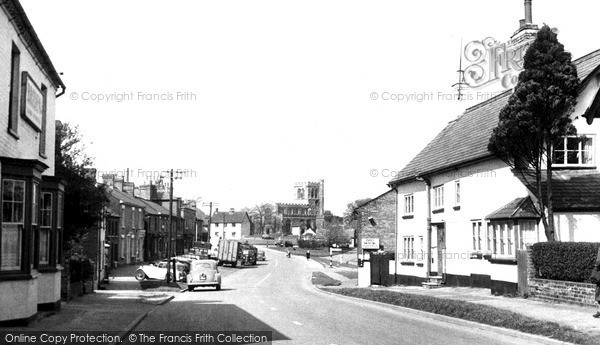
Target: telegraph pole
x,y
170,250
209,217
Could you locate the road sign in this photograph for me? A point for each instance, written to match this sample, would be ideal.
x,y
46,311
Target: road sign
x,y
370,243
331,250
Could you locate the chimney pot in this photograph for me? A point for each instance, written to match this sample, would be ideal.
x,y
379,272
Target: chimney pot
x,y
528,15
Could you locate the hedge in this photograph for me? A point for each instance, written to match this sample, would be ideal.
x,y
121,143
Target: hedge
x,y
310,244
566,261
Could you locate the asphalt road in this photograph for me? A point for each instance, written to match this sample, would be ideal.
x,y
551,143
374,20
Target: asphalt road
x,y
277,296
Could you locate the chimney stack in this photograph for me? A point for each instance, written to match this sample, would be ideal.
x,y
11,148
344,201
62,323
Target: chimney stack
x,y
528,16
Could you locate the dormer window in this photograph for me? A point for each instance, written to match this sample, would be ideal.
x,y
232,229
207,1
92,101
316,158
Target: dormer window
x,y
574,151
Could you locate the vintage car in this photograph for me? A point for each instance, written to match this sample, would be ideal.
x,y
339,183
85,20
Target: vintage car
x,y
203,273
158,270
261,255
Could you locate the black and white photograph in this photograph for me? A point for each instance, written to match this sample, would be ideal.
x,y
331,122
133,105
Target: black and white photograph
x,y
299,172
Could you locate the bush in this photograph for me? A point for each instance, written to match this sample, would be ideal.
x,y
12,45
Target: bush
x,y
80,269
566,261
310,244
288,244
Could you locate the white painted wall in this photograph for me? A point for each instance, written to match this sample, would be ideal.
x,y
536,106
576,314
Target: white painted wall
x,y
577,226
485,187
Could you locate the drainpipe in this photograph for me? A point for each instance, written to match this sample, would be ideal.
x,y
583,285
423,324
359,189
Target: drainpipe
x,y
428,191
395,188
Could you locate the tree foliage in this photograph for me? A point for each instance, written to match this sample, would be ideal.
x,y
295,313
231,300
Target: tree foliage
x,y
538,115
84,200
263,218
350,213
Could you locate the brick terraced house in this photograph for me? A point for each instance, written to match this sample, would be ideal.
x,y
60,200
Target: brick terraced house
x,y
32,198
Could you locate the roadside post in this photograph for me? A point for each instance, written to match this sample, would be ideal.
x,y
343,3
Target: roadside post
x,y
331,250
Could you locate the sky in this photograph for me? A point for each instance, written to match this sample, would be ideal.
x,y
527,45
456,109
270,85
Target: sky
x,y
248,97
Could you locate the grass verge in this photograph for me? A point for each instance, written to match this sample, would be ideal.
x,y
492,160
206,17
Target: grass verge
x,y
472,312
320,278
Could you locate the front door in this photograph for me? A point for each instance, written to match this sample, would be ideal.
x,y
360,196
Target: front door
x,y
438,248
441,248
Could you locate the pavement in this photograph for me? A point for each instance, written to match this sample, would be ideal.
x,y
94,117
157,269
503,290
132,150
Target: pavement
x,y
577,317
116,310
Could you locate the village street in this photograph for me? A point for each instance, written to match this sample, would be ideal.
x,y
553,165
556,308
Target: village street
x,y
276,296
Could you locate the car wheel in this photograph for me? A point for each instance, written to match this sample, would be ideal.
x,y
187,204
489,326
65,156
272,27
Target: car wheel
x,y
140,275
191,288
218,287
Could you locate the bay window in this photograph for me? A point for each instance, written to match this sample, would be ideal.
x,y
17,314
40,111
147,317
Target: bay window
x,y
13,217
45,229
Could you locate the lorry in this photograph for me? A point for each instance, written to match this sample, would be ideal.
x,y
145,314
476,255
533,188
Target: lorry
x,y
250,253
234,253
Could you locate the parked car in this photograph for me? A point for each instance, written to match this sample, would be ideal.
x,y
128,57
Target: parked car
x,y
261,255
158,270
267,237
203,273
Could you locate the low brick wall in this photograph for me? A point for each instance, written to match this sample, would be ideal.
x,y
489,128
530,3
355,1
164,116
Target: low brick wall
x,y
562,292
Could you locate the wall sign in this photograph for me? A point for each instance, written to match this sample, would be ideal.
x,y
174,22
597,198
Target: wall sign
x,y
370,243
32,102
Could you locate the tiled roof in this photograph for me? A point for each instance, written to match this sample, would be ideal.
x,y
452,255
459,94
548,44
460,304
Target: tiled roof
x,y
126,198
229,217
466,138
200,215
154,208
518,208
572,190
111,213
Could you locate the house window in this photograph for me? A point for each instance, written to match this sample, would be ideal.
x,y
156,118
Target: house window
x,y
409,204
35,203
457,192
59,224
573,150
477,227
489,236
409,249
233,233
217,224
438,197
45,228
421,249
502,236
13,105
527,233
233,224
13,215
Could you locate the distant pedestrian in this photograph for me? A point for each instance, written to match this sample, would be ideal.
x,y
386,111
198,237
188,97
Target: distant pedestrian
x,y
287,252
308,255
597,298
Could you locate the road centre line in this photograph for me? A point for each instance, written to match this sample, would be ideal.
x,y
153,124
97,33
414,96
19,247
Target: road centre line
x,y
262,280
